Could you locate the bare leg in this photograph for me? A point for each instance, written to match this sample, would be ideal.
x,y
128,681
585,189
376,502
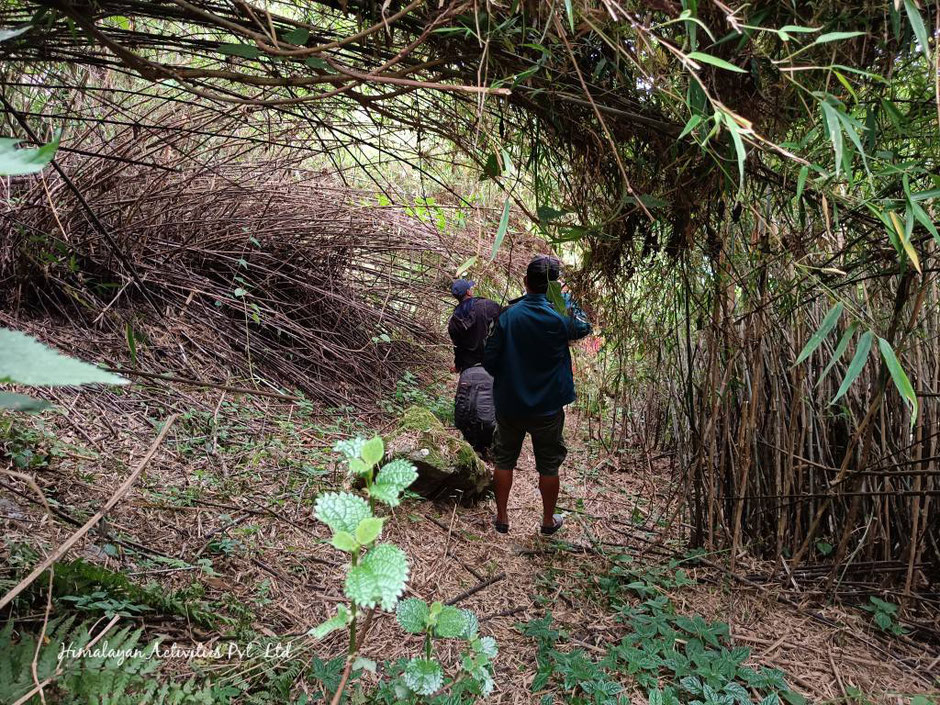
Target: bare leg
x,y
502,483
548,486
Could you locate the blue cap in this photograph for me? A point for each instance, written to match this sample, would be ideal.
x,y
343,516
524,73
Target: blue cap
x,y
460,287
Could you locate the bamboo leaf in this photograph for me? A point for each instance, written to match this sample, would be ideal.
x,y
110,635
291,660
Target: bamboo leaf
x,y
801,182
14,161
836,36
853,135
829,322
901,380
839,351
690,125
738,146
501,230
835,132
856,366
569,9
10,33
796,29
924,219
465,267
905,238
703,58
917,24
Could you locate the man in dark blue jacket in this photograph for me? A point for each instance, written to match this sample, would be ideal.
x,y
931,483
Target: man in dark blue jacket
x,y
527,354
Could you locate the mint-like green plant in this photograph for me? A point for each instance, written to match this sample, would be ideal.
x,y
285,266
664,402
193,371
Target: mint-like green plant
x,y
884,614
425,676
378,572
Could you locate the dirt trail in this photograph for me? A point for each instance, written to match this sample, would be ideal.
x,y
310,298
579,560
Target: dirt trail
x,y
222,520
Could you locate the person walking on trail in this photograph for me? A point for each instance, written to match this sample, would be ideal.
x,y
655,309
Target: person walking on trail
x,y
474,413
527,354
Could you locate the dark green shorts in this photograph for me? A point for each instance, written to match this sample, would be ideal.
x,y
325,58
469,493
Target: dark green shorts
x,y
548,441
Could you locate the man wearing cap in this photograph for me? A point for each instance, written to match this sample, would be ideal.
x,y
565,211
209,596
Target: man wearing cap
x,y
474,413
527,354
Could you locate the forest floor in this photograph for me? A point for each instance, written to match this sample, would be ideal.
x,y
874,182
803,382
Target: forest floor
x,y
219,536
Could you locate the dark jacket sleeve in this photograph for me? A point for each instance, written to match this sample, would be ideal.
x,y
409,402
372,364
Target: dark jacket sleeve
x,y
493,350
452,331
576,321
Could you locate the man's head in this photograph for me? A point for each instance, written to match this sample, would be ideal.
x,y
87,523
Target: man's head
x,y
541,270
462,288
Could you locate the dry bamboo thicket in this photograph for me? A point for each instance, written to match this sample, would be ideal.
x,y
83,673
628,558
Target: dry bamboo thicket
x,y
244,253
845,494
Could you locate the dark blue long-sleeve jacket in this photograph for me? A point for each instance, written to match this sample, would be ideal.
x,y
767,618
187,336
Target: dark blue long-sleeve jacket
x,y
527,355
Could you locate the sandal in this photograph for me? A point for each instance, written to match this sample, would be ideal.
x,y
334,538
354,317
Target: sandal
x,y
500,527
558,520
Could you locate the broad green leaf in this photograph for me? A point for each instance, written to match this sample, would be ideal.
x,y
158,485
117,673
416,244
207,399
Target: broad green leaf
x,y
316,62
836,36
738,692
246,51
839,351
15,162
369,530
471,625
345,541
905,237
24,360
424,676
297,36
701,57
379,578
339,621
917,24
547,214
855,367
350,447
341,511
501,230
412,615
21,402
488,647
392,480
373,450
10,33
829,322
451,622
491,168
358,467
899,376
834,126
364,664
